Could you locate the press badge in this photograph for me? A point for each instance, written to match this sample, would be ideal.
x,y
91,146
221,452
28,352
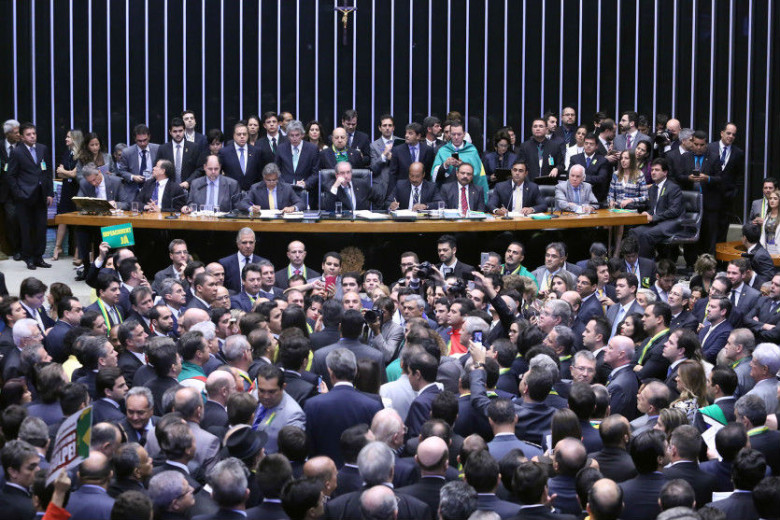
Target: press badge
x,y
43,166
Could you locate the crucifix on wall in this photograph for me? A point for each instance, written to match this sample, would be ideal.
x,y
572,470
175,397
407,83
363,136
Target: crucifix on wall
x,y
345,11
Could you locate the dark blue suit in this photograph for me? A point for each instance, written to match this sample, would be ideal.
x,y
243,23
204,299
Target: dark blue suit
x,y
565,488
402,159
589,309
228,157
173,195
103,411
241,301
364,193
642,493
501,197
490,502
192,158
53,342
450,194
702,482
90,502
328,159
362,143
264,146
258,196
420,410
30,181
233,271
308,164
716,341
666,213
402,192
622,392
333,413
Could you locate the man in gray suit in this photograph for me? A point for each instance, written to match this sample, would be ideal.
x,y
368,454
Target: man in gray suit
x,y
759,207
763,370
382,153
574,194
136,163
276,408
214,188
744,297
629,136
651,399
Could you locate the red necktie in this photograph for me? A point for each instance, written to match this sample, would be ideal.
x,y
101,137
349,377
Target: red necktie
x,y
464,201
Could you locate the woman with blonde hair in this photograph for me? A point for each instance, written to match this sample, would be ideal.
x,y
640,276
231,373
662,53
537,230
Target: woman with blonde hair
x,y
67,173
704,268
692,385
770,230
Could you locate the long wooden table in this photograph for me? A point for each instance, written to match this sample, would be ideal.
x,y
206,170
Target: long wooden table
x,y
728,251
602,218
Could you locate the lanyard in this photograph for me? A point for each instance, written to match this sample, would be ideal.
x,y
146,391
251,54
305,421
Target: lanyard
x,y
105,314
291,271
650,343
757,431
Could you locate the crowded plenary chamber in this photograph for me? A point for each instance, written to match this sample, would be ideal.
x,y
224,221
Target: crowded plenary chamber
x,y
351,259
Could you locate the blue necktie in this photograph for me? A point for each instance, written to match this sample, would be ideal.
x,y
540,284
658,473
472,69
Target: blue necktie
x,y
577,195
587,162
723,155
156,192
34,154
143,167
699,160
212,194
241,160
413,150
296,156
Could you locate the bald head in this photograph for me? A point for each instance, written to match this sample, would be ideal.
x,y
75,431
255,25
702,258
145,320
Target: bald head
x,y
433,456
192,316
620,351
570,456
378,502
605,499
323,469
95,469
573,298
388,427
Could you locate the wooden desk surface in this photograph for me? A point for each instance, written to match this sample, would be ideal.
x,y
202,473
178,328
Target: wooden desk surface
x,y
601,218
728,251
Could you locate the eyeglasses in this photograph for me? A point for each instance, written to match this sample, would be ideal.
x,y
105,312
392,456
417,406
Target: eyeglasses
x,y
584,369
186,492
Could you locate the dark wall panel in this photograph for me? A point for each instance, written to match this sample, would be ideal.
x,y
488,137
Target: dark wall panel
x,y
106,66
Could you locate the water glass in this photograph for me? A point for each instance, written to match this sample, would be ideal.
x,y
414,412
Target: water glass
x,y
135,207
338,210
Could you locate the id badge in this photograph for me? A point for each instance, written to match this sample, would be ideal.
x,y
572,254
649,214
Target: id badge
x,y
43,166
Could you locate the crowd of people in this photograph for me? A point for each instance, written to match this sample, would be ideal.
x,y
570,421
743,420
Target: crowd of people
x,y
227,387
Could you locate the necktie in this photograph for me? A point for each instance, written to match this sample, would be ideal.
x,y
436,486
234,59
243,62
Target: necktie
x,y
723,155
577,195
540,153
415,195
517,198
273,144
699,160
247,260
212,194
156,192
101,192
773,307
143,167
350,140
734,297
296,156
587,161
113,315
34,154
413,149
271,202
618,318
241,159
348,191
178,162
628,142
297,272
464,201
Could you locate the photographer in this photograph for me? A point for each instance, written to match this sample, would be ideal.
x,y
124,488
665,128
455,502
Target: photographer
x,y
384,334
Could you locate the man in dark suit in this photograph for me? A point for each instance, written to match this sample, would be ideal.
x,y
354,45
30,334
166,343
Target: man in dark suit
x,y
482,473
186,157
353,193
413,150
463,195
219,386
630,135
214,189
356,140
622,383
298,160
338,409
713,337
233,264
544,157
16,499
110,387
684,446
750,412
250,288
447,249
179,255
432,458
665,205
760,261
7,148
91,500
614,461
240,160
414,193
530,487
340,151
271,194
598,170
642,492
732,165
744,297
423,370
763,318
296,253
33,191
161,193
268,145
649,355
517,194
679,296
332,313
136,163
69,312
108,298
228,475
748,470
132,337
190,135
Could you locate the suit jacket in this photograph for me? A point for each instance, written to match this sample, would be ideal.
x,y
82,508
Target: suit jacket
x,y
565,197
722,472
333,413
215,419
615,464
16,503
566,489
450,194
732,171
231,166
364,193
308,164
50,413
420,410
103,411
642,493
654,364
173,195
228,193
766,389
264,146
168,272
702,482
738,505
380,170
589,309
287,413
327,336
361,142
402,192
298,388
622,388
113,187
96,307
712,190
460,269
619,142
158,386
685,320
233,271
490,502
328,158
347,507
598,174
726,406
258,196
283,278
402,159
614,309
768,443
426,490
129,165
192,158
241,301
90,503
715,341
553,155
54,341
503,444
25,174
762,263
348,480
670,202
501,196
542,512
748,298
361,351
